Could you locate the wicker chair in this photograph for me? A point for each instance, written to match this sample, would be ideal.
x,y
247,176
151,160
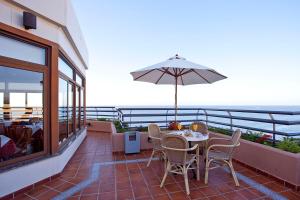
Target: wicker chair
x,y
223,156
178,159
155,136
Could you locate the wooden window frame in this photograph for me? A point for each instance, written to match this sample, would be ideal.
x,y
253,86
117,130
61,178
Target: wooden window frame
x,y
33,67
75,85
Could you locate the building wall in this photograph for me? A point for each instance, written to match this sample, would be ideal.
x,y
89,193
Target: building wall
x,y
56,21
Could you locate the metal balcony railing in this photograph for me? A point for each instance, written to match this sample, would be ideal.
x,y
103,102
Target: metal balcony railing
x,y
277,123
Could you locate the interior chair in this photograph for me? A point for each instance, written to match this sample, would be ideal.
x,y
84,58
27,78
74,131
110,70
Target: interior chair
x,y
155,136
221,152
179,161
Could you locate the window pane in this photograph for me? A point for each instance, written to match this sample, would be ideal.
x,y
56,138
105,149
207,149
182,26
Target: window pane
x,y
17,99
82,108
70,110
65,68
22,51
63,110
21,126
34,99
78,80
1,99
77,108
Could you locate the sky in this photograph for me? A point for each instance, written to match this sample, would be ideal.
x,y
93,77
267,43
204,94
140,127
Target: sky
x,y
255,43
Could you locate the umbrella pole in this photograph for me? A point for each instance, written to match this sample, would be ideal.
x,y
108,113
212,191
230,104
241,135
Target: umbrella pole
x,y
175,99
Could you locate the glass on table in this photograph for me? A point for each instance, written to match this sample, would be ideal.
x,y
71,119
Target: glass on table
x,y
194,127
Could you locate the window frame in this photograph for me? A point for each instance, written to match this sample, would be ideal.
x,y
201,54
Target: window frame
x,y
33,67
75,85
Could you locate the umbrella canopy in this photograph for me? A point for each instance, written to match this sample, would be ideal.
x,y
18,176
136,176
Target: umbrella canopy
x,y
177,71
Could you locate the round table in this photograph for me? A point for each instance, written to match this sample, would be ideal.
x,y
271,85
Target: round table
x,y
196,136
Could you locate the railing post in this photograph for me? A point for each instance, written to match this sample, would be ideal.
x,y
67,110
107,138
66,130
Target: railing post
x,y
274,129
130,118
206,117
167,117
197,114
229,113
96,113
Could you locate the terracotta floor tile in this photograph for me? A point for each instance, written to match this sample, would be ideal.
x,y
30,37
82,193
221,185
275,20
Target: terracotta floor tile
x,y
73,198
179,196
209,191
106,188
290,195
276,187
55,183
261,179
37,191
123,185
157,190
124,195
89,197
64,187
248,194
48,195
218,197
22,197
107,196
196,194
140,192
92,189
172,187
223,188
234,196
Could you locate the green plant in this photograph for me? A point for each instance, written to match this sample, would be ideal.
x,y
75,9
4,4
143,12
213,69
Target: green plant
x,y
252,136
142,128
220,130
102,119
289,144
121,128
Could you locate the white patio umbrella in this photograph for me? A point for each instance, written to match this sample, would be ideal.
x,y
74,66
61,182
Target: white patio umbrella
x,y
177,71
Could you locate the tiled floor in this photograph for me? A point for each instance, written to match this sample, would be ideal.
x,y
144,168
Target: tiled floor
x,y
136,181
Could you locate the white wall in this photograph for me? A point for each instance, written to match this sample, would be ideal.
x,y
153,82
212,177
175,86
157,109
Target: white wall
x,y
56,21
21,177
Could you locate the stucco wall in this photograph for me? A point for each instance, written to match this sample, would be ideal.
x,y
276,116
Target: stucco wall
x,y
56,21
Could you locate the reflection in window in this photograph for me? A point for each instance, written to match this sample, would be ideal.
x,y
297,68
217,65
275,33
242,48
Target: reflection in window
x,y
70,109
1,99
63,110
65,68
77,108
78,80
21,126
82,108
17,99
22,51
34,99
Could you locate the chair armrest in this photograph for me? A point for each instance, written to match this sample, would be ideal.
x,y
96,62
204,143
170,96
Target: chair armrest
x,y
189,149
222,145
215,138
154,138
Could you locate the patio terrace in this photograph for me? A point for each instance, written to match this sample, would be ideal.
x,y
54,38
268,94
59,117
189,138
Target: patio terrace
x,y
123,177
